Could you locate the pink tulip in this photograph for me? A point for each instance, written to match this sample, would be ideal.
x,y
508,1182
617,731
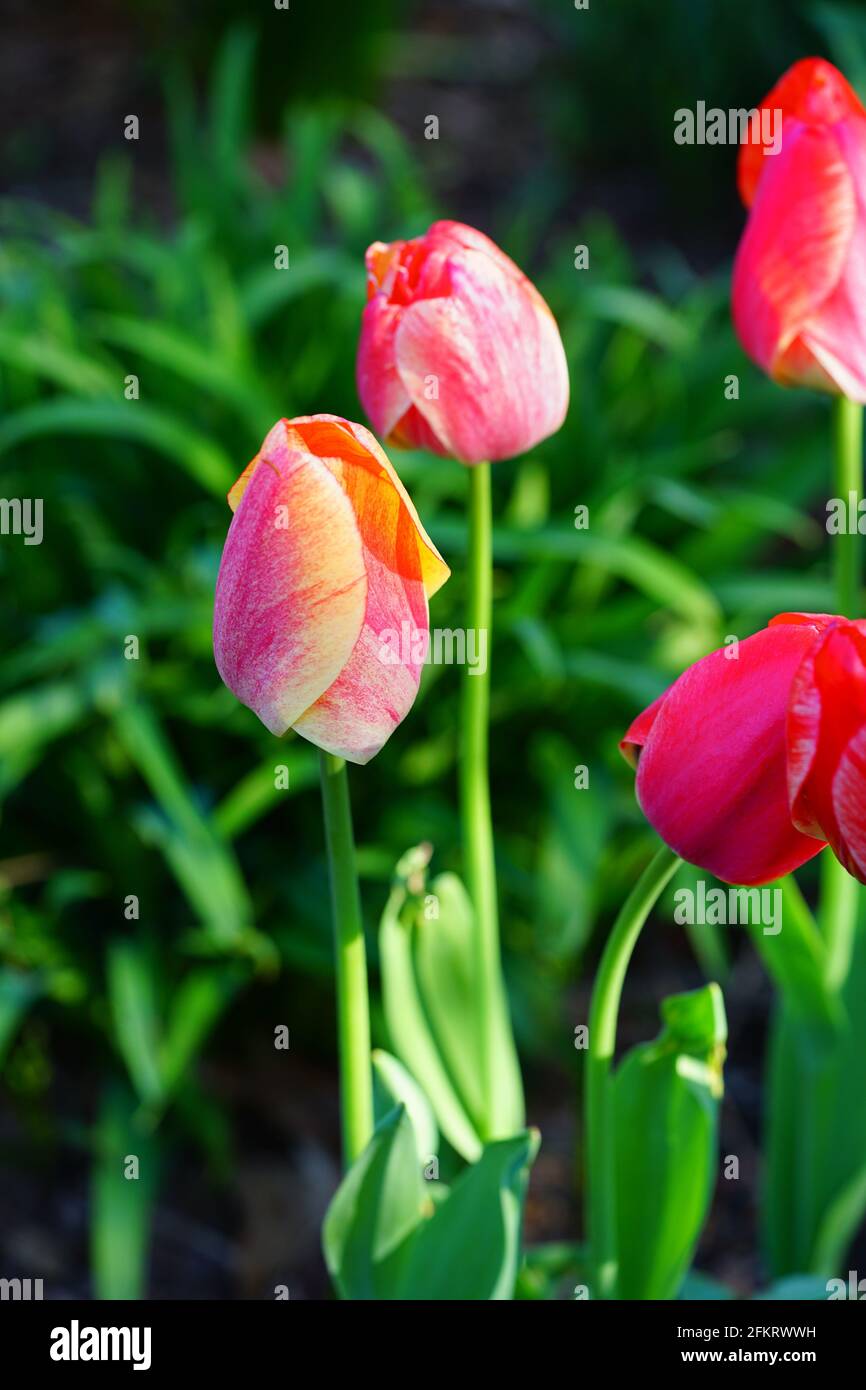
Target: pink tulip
x,y
712,756
325,557
459,353
799,289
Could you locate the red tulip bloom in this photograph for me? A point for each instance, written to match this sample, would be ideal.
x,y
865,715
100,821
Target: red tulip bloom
x,y
799,288
712,756
458,353
827,744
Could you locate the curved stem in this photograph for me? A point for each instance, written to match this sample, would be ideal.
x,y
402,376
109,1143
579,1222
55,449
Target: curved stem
x,y
603,1012
353,1009
477,825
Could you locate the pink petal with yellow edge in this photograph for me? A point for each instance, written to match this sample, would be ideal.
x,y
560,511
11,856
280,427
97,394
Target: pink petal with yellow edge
x,y
491,358
793,251
292,588
389,524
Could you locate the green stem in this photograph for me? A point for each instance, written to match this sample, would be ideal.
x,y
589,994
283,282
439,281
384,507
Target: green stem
x,y
839,891
475,809
604,1008
353,1009
847,480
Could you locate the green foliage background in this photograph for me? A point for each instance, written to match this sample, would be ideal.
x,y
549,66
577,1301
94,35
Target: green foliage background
x,y
146,777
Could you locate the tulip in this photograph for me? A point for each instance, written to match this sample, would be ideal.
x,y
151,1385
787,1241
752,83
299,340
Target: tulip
x,y
712,756
827,744
324,555
799,287
459,354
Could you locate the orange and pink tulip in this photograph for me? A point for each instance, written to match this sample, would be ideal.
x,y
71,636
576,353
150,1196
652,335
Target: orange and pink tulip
x,y
799,288
324,554
459,354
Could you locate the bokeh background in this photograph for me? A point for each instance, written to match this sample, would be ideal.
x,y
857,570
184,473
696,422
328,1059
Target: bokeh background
x,y
145,777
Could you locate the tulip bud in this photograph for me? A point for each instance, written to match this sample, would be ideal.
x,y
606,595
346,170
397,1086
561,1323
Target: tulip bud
x,y
798,300
459,353
712,756
324,554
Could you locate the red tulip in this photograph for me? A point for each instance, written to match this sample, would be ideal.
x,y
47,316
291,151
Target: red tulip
x,y
827,744
324,555
799,289
712,756
459,353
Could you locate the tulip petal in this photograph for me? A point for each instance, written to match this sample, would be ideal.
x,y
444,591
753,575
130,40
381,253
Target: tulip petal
x,y
849,805
711,777
381,389
812,92
378,684
826,715
836,336
792,256
485,367
638,731
292,587
384,511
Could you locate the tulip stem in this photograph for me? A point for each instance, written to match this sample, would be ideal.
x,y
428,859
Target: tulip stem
x,y
477,823
599,1106
848,483
353,1009
839,891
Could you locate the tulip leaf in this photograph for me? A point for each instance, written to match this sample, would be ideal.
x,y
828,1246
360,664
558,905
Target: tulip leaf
x,y
408,1022
445,969
374,1212
121,1205
389,1235
469,1248
666,1097
393,1085
796,959
815,1191
132,993
797,1288
146,424
432,1005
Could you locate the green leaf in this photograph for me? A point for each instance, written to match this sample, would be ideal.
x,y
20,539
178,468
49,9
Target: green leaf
x,y
121,1207
195,1007
445,970
666,1096
392,1086
195,363
795,958
432,1001
132,995
376,1208
469,1248
408,1023
138,421
698,1287
797,1288
18,990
